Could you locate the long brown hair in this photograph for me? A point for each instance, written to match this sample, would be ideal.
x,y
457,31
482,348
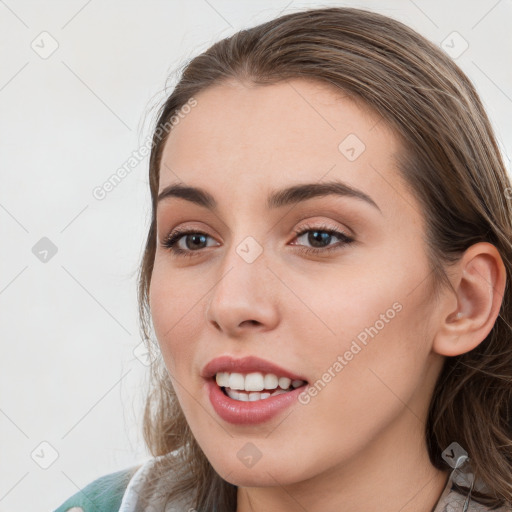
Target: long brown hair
x,y
451,163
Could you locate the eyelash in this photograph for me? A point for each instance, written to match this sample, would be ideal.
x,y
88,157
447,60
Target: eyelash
x,y
172,238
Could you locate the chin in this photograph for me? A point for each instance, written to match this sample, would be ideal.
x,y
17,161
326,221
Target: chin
x,y
261,474
252,477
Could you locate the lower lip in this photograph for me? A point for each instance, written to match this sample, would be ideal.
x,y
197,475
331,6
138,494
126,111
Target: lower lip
x,y
249,413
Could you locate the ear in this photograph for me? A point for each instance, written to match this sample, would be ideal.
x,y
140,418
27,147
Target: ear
x,y
479,281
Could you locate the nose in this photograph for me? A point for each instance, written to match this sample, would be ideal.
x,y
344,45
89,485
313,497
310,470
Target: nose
x,y
245,297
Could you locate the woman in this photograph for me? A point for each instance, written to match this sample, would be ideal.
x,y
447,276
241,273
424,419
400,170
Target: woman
x,y
326,275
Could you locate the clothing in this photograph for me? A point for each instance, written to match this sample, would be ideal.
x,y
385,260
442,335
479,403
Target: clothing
x,y
102,495
119,492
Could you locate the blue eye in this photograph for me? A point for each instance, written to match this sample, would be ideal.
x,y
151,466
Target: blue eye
x,y
319,235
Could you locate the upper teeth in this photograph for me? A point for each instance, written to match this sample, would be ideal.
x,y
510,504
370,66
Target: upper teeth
x,y
255,381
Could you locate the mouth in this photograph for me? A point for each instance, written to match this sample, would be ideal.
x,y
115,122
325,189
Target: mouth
x,y
250,390
254,386
251,378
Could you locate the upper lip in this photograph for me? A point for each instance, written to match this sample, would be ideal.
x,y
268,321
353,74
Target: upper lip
x,y
245,365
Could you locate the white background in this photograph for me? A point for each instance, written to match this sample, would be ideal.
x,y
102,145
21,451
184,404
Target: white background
x,y
68,326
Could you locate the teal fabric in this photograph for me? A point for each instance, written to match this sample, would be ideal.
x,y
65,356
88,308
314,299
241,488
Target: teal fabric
x,y
103,494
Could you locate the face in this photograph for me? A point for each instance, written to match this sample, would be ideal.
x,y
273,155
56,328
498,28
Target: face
x,y
332,288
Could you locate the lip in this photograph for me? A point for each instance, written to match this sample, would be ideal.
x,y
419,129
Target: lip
x,y
246,365
249,413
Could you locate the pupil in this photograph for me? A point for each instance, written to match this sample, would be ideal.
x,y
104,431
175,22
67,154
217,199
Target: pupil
x,y
314,239
195,237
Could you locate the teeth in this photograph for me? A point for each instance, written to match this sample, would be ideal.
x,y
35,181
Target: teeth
x,y
284,382
222,379
247,388
236,381
251,397
271,381
255,381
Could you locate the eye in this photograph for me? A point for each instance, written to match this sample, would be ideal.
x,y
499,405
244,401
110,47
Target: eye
x,y
172,241
321,235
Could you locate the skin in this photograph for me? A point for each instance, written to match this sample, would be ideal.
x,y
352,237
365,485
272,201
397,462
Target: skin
x,y
358,445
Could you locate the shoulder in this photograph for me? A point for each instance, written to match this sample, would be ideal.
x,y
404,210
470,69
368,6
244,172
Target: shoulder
x,y
105,493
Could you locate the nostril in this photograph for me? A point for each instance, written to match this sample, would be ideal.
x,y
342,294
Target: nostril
x,y
252,322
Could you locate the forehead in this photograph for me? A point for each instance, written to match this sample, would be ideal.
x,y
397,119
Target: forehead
x,y
245,138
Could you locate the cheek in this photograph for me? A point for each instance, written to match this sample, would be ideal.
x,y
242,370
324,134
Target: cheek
x,y
175,312
373,319
372,372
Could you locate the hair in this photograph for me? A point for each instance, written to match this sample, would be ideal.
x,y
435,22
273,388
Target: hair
x,y
450,161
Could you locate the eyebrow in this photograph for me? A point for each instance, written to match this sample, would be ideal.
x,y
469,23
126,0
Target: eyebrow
x,y
277,198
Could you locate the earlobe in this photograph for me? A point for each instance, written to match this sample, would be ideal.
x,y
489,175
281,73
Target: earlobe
x,y
479,283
